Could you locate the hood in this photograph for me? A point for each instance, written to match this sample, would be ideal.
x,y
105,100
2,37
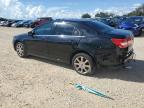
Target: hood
x,y
24,35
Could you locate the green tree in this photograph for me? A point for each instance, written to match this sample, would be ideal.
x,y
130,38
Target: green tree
x,y
86,15
137,12
104,14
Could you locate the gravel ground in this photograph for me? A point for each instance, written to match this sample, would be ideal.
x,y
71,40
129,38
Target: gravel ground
x,y
40,83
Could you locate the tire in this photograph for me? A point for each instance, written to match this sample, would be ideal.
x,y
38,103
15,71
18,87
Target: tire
x,y
83,64
20,49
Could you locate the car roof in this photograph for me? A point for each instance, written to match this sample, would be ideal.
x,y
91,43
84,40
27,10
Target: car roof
x,y
74,20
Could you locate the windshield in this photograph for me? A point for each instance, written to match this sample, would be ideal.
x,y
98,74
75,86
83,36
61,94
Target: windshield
x,y
99,26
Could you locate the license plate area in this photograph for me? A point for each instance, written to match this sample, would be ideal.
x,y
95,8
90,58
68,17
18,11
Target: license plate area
x,y
130,56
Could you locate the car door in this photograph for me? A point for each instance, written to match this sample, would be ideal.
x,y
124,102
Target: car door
x,y
37,45
63,42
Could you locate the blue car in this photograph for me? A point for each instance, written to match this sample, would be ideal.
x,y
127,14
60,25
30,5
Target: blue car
x,y
134,24
107,21
117,20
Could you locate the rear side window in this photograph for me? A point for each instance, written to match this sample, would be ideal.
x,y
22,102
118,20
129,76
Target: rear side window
x,y
98,26
66,29
86,31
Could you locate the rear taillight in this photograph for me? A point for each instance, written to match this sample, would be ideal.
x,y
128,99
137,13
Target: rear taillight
x,y
123,43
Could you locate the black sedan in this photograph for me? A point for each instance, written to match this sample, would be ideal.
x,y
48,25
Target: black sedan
x,y
83,43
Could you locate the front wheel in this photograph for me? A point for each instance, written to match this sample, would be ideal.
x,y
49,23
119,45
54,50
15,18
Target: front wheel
x,y
83,64
20,49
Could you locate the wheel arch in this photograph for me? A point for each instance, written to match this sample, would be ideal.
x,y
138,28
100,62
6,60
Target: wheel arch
x,y
81,51
16,43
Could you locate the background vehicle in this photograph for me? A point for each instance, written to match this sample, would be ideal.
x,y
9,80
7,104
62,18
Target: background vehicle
x,y
82,43
21,23
28,24
13,22
134,24
2,19
2,23
40,21
107,21
117,20
16,23
9,22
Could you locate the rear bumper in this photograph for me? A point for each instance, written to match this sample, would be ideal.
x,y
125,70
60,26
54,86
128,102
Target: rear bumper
x,y
115,59
130,56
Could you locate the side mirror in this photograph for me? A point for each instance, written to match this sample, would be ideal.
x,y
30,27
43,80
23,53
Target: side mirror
x,y
31,33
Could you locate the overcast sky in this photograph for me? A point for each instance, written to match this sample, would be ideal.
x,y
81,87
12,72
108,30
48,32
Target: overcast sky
x,y
63,8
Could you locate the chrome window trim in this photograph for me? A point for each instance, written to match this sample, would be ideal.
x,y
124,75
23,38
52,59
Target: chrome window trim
x,y
59,35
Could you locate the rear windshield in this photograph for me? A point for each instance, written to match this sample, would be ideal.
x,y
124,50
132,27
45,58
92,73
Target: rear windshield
x,y
98,26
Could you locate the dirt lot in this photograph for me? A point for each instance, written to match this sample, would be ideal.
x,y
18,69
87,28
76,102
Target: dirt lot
x,y
39,83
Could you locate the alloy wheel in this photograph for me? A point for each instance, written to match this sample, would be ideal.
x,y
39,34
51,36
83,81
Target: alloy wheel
x,y
20,49
82,65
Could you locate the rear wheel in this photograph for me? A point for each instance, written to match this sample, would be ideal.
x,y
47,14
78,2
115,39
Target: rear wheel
x,y
83,64
20,49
